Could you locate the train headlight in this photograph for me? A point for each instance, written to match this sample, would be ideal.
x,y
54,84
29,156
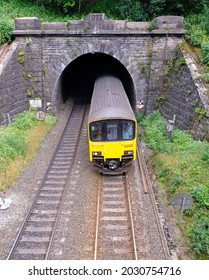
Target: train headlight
x,y
128,153
96,153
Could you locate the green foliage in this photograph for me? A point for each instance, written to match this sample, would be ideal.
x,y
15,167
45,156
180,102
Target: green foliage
x,y
67,5
140,118
205,77
181,140
11,9
196,33
152,24
156,134
175,183
50,120
161,99
12,143
183,7
205,23
5,30
13,138
137,12
201,112
25,120
21,59
199,235
201,195
131,10
64,10
205,157
181,62
182,166
205,52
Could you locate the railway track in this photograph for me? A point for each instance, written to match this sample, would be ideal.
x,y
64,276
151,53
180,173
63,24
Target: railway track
x,y
35,237
115,238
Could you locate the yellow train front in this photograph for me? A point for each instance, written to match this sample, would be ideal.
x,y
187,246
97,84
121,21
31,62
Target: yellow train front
x,y
111,126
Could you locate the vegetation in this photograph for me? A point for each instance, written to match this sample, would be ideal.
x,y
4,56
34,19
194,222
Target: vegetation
x,y
181,164
18,144
5,30
182,167
132,10
125,9
197,26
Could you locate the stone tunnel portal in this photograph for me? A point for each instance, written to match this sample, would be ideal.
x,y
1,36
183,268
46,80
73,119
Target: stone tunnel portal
x,y
77,79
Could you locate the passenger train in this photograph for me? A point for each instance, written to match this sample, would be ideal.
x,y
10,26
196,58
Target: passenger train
x,y
112,128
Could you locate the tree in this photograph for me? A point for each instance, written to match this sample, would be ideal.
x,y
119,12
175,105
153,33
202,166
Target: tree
x,y
128,9
169,7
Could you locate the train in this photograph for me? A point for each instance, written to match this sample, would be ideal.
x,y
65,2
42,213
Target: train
x,y
112,126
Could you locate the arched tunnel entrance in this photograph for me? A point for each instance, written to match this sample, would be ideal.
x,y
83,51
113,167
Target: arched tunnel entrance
x,y
77,79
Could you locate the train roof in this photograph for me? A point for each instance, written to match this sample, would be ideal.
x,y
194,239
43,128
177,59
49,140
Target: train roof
x,y
109,100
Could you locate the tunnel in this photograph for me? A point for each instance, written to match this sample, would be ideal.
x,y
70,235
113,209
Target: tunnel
x,y
77,79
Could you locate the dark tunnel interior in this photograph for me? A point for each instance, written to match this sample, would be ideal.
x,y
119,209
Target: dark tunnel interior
x,y
78,77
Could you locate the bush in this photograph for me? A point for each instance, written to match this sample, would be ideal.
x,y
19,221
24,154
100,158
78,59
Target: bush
x,y
206,19
13,138
181,140
183,169
205,157
200,194
156,132
196,32
25,120
12,144
199,235
5,32
205,52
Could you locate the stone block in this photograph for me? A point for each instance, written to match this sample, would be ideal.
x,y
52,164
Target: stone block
x,y
27,23
137,25
56,26
170,22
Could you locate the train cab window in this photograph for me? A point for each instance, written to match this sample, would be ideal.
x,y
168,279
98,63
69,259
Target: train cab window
x,y
112,132
96,132
128,131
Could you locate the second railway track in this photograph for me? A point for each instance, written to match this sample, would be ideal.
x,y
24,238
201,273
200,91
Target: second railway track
x,y
36,234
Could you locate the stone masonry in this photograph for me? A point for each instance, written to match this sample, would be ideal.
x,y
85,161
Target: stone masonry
x,y
35,61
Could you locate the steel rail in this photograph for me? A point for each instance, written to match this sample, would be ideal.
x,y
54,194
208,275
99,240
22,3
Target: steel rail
x,y
97,219
65,188
127,202
131,218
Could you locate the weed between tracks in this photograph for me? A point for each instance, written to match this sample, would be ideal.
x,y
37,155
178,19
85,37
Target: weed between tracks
x,y
19,143
181,166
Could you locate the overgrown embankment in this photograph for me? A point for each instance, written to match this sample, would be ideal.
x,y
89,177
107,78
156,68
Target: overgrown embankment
x,y
19,143
181,166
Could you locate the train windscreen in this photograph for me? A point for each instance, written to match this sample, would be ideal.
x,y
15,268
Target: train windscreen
x,y
112,130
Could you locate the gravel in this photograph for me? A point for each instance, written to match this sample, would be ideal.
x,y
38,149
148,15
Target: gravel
x,y
74,237
23,191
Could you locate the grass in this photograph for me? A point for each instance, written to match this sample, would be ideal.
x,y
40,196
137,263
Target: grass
x,y
181,166
19,144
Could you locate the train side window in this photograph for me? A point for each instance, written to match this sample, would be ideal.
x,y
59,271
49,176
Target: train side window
x,y
128,131
96,132
112,132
